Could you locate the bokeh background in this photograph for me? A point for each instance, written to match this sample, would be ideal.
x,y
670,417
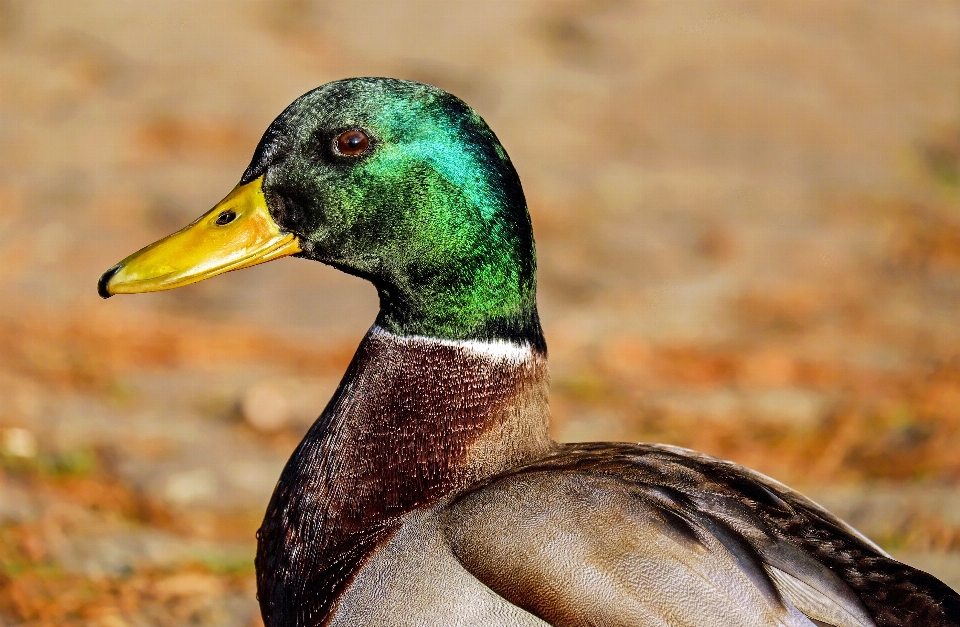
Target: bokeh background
x,y
748,226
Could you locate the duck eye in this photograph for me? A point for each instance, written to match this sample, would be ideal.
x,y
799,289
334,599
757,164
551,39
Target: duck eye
x,y
352,143
226,217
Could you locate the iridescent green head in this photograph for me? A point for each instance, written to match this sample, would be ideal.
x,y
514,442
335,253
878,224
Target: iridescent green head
x,y
397,182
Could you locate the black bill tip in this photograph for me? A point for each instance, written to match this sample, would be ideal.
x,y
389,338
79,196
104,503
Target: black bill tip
x,y
102,288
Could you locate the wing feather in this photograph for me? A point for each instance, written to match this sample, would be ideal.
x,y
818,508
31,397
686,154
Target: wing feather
x,y
649,535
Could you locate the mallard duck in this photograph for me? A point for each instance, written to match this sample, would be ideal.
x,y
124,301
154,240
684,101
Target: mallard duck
x,y
429,492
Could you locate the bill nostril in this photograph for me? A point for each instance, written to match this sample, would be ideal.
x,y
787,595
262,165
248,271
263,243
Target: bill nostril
x,y
102,288
226,217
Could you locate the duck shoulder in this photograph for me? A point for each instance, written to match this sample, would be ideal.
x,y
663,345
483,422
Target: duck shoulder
x,y
612,534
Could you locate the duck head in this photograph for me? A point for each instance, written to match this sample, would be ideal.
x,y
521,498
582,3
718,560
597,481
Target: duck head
x,y
397,182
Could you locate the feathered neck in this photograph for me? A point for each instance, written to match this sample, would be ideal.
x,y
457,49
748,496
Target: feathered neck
x,y
414,419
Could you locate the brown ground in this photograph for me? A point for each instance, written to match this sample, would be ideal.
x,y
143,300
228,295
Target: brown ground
x,y
748,218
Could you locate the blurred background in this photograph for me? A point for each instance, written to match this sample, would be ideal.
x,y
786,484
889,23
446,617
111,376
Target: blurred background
x,y
748,227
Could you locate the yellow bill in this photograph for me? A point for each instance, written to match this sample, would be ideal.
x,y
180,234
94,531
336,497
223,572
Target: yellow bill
x,y
238,233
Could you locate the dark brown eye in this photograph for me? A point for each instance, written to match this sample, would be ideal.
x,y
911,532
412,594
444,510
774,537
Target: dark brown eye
x,y
352,143
226,217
